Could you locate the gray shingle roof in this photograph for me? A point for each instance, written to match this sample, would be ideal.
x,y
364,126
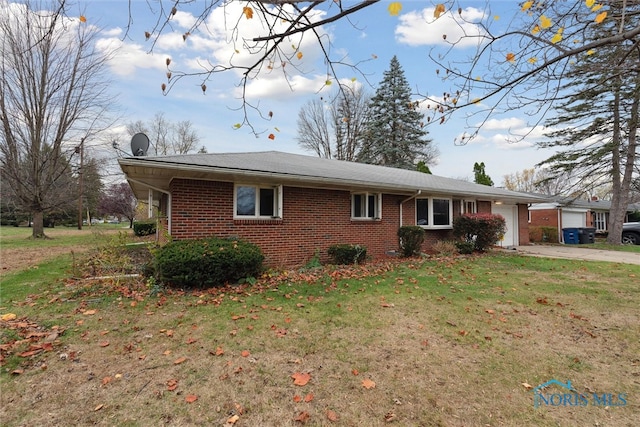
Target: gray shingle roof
x,y
301,168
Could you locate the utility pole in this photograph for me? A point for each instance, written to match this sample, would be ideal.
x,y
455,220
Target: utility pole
x,y
80,150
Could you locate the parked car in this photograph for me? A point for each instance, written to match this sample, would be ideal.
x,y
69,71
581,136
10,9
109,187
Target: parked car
x,y
631,233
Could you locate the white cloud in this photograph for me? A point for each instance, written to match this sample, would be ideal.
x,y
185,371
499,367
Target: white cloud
x,y
509,123
126,58
418,28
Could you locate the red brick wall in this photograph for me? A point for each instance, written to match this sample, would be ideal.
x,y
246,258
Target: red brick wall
x,y
544,218
523,224
483,206
312,220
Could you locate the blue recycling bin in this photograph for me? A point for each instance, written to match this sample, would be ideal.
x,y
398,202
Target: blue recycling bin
x,y
571,236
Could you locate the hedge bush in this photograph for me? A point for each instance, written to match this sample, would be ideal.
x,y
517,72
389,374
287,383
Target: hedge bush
x,y
484,230
208,262
144,228
543,234
347,254
411,239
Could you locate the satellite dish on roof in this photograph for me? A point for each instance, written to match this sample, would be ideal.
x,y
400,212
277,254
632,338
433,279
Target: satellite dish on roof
x,y
139,144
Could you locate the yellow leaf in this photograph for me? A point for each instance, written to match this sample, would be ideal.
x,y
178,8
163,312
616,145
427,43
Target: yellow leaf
x,y
589,3
496,18
557,37
535,30
248,12
237,126
299,55
591,51
83,19
526,6
328,82
511,57
476,101
8,316
596,8
545,22
532,60
439,10
395,8
601,17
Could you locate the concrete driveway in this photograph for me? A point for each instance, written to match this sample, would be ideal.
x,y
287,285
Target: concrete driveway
x,y
577,252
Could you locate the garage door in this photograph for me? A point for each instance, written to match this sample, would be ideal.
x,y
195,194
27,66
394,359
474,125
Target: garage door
x,y
510,214
572,219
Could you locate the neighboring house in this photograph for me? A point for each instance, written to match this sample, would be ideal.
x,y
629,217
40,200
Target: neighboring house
x,y
294,206
566,212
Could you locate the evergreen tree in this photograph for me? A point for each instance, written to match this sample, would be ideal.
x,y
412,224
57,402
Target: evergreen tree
x,y
480,176
597,125
395,135
422,167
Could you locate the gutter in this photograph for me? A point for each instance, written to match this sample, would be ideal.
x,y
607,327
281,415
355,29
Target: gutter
x,y
406,200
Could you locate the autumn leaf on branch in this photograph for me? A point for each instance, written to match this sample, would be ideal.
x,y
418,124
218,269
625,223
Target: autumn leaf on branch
x,y
395,8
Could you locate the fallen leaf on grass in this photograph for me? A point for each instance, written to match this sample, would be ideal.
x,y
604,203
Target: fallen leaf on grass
x,y
308,398
368,384
172,384
231,421
301,378
106,380
17,372
104,344
332,416
179,360
9,316
245,353
297,398
191,398
302,417
219,352
97,408
89,312
527,386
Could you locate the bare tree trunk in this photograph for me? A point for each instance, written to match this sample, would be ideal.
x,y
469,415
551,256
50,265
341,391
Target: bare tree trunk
x,y
37,231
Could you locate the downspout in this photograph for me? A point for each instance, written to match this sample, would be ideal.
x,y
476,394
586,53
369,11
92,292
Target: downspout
x,y
406,200
560,233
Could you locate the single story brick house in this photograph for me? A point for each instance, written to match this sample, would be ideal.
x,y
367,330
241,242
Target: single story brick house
x,y
566,212
294,206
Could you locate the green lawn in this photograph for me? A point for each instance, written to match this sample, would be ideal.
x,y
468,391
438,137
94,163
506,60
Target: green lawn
x,y
429,342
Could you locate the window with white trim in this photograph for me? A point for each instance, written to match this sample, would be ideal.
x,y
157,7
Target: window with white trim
x,y
434,212
600,221
366,206
468,207
252,201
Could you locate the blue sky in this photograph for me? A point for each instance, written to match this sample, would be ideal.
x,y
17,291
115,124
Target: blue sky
x,y
373,37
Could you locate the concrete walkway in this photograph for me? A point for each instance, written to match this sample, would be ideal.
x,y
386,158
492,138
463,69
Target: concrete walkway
x,y
577,252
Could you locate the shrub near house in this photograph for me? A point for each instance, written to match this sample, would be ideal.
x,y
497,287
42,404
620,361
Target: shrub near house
x,y
207,262
484,230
